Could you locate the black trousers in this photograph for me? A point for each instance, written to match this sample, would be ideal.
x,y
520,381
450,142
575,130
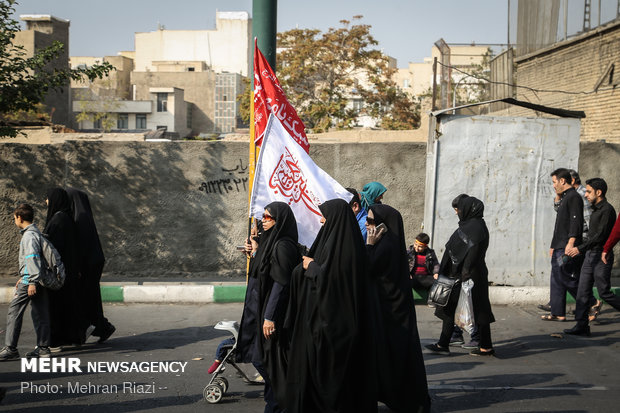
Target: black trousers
x,y
594,272
562,281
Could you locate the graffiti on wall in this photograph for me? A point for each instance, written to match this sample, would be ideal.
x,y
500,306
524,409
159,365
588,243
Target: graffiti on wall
x,y
233,182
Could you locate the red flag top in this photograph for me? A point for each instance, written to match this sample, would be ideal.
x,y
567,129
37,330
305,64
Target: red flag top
x,y
270,98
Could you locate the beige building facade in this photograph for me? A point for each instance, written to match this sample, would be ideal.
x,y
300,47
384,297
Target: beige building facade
x,y
224,49
417,78
41,31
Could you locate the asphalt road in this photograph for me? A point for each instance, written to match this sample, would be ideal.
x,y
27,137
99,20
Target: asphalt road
x,y
532,372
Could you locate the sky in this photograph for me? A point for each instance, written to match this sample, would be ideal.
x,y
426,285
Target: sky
x,y
405,29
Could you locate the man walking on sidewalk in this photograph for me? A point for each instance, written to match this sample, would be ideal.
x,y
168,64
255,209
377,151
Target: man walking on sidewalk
x,y
594,270
566,234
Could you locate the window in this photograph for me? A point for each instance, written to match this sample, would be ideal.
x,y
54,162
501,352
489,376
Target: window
x,y
97,124
405,83
123,121
191,69
141,121
189,115
162,102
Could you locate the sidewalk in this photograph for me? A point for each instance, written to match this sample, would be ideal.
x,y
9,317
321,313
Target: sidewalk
x,y
234,292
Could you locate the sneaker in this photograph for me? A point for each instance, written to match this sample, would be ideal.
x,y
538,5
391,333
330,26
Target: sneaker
x,y
56,349
107,333
473,344
39,352
457,340
437,349
89,332
8,353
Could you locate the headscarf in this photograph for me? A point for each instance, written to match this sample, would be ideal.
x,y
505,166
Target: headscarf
x,y
370,192
472,229
58,200
285,226
394,222
89,244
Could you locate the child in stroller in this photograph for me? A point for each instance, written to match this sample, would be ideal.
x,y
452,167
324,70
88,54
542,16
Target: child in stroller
x,y
225,354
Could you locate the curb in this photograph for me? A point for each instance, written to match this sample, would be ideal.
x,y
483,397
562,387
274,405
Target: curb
x,y
234,292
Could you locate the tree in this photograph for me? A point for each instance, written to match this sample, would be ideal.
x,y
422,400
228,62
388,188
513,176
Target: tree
x,y
24,81
334,78
98,103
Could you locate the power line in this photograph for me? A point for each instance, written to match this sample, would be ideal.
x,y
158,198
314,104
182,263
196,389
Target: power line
x,y
533,90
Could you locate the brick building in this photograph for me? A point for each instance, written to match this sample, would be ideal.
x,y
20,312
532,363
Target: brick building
x,y
580,73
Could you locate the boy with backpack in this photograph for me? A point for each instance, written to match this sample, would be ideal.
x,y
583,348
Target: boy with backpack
x,y
27,289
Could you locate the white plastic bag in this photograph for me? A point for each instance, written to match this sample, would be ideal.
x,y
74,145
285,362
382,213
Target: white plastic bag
x,y
464,315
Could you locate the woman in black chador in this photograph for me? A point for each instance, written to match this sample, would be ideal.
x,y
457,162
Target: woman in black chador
x,y
400,366
90,264
464,259
331,358
67,324
262,339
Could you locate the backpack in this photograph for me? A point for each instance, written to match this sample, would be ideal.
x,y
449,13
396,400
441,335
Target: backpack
x,y
52,269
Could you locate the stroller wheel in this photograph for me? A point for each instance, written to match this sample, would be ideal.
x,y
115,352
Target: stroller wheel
x,y
222,382
213,393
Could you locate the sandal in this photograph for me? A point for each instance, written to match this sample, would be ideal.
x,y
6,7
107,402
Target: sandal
x,y
551,317
595,310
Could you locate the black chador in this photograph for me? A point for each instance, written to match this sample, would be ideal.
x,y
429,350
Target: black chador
x,y
67,324
400,365
90,264
267,298
329,368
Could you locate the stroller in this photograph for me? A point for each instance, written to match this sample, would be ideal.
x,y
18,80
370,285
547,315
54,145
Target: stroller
x,y
217,386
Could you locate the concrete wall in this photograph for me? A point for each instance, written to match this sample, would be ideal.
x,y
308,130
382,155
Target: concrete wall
x,y
179,208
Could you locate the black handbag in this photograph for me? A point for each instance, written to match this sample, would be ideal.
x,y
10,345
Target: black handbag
x,y
440,291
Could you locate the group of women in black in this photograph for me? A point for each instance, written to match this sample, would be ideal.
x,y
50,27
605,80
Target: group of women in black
x,y
334,330
76,306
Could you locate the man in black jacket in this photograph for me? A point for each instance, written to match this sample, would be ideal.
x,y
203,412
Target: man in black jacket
x,y
594,270
566,235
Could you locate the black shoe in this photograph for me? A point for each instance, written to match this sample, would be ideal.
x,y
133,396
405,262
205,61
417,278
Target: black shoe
x,y
439,350
39,352
578,331
545,307
478,352
457,340
107,333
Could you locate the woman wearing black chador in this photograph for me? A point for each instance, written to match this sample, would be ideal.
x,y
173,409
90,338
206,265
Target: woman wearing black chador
x,y
262,338
331,358
400,365
67,324
90,264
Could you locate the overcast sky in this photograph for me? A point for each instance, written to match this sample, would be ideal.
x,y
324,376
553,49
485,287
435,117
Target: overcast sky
x,y
405,29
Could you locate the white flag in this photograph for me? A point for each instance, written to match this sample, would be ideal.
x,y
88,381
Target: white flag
x,y
285,172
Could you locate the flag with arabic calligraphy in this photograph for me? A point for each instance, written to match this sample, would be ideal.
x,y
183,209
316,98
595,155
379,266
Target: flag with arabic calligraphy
x,y
285,172
270,98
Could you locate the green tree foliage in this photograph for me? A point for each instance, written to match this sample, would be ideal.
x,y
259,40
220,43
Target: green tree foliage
x,y
24,81
98,103
323,73
334,77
